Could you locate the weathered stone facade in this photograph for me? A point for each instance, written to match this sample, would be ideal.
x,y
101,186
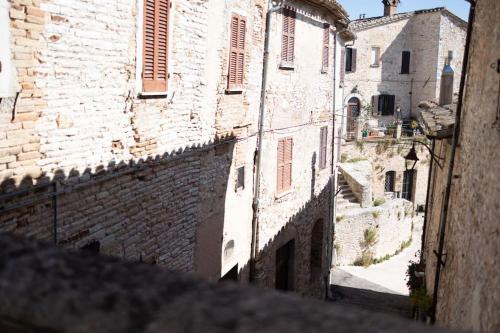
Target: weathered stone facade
x,y
468,296
88,159
428,35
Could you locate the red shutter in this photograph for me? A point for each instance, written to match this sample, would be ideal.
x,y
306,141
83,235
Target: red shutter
x,y
323,147
155,48
287,176
326,47
281,166
288,37
237,52
342,65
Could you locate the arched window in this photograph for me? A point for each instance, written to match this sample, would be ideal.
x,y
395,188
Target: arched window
x,y
390,177
353,109
317,251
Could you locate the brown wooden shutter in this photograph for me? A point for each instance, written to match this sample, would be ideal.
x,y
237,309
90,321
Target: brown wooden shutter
x,y
237,52
288,37
281,165
326,47
288,155
323,147
342,65
354,58
155,48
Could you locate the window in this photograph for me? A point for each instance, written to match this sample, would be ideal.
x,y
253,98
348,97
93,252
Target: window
x,y
326,48
288,38
323,147
390,178
383,105
240,180
350,60
405,63
284,177
237,53
408,184
375,57
8,78
155,45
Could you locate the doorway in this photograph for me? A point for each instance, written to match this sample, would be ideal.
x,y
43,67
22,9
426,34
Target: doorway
x,y
353,108
285,260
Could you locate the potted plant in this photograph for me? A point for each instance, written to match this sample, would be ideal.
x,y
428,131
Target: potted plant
x,y
421,301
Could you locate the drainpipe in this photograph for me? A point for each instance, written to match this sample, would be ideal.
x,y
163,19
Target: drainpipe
x,y
427,203
456,137
273,7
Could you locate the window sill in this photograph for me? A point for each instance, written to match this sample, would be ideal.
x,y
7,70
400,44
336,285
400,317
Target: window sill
x,y
374,66
234,91
287,66
282,195
153,94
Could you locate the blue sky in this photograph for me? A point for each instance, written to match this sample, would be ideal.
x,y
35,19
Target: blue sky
x,y
375,8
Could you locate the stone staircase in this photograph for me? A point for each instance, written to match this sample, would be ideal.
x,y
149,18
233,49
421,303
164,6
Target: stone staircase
x,y
346,199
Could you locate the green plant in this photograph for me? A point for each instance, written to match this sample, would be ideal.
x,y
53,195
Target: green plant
x,y
370,237
360,144
365,260
414,124
378,202
339,218
343,158
376,214
399,215
391,129
337,247
356,159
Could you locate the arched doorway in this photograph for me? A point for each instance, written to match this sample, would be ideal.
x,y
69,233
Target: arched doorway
x,y
353,108
317,251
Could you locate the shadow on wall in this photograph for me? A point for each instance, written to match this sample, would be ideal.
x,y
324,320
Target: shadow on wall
x,y
166,210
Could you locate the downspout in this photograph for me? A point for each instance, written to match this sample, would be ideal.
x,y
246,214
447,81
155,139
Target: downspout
x,y
256,195
427,203
456,137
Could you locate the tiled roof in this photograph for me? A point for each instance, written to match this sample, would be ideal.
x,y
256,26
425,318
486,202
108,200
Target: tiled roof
x,y
366,23
437,121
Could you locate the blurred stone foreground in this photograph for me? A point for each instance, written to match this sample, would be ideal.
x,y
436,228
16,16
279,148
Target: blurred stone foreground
x,y
46,289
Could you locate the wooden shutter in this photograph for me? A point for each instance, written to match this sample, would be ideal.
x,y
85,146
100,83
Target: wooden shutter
x,y
284,171
391,103
326,47
323,147
354,58
405,63
342,65
375,105
237,52
288,37
155,48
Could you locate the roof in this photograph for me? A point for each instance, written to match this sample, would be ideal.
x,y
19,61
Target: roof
x,y
437,121
371,22
333,7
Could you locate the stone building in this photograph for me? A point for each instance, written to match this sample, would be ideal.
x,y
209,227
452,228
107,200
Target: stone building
x,y
131,129
462,226
396,62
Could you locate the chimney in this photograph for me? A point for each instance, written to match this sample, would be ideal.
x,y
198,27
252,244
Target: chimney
x,y
447,77
390,7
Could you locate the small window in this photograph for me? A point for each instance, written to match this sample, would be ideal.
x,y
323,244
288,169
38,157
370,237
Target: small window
x,y
383,105
237,53
288,39
155,45
390,178
375,57
285,154
326,48
350,60
323,147
405,63
240,180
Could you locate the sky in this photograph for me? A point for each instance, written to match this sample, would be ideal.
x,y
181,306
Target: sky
x,y
375,8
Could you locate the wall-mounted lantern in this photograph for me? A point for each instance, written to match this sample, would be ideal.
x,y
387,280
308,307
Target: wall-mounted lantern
x,y
411,159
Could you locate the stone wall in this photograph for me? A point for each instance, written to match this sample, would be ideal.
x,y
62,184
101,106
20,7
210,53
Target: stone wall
x,y
80,119
469,296
392,222
388,155
359,177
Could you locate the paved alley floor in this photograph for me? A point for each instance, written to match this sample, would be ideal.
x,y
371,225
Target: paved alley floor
x,y
379,287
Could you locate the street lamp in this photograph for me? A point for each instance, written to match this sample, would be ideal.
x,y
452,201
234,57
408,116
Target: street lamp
x,y
411,157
